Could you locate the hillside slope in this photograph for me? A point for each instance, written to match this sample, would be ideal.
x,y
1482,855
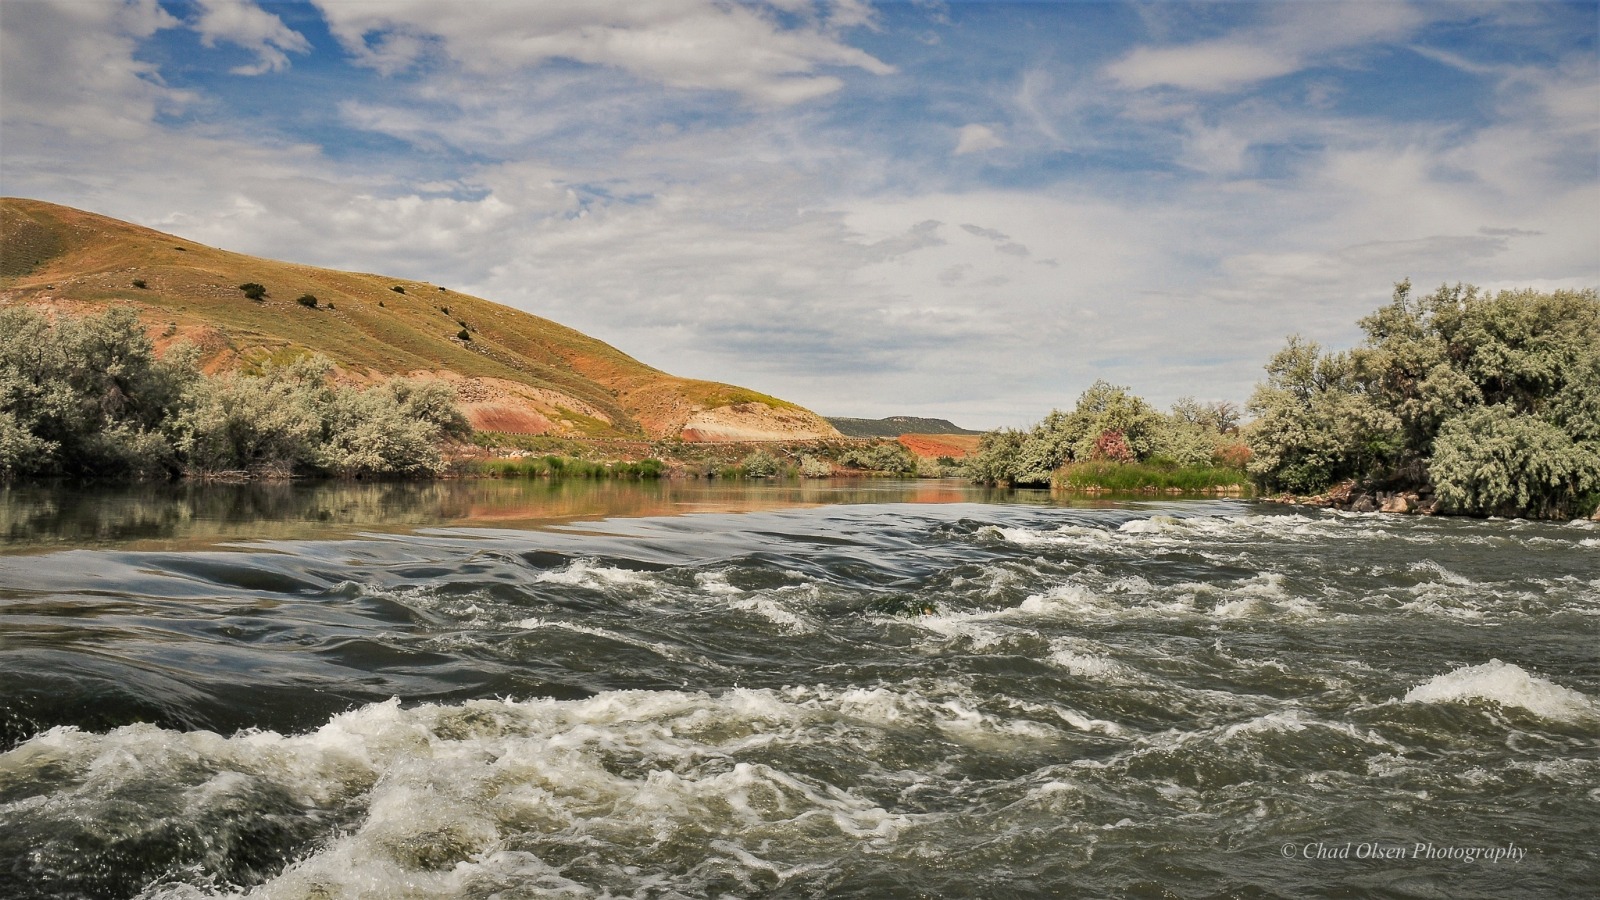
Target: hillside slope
x,y
512,371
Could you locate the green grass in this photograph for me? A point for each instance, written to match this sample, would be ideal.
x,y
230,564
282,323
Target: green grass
x,y
716,396
1137,477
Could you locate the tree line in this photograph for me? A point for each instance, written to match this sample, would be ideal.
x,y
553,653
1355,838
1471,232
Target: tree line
x,y
1489,403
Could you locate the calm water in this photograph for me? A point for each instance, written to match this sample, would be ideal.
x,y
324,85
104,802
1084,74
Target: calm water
x,y
517,690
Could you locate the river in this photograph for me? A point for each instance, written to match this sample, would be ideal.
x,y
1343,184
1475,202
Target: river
x,y
518,689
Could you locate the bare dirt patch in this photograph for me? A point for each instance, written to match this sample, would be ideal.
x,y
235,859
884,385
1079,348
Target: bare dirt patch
x,y
955,446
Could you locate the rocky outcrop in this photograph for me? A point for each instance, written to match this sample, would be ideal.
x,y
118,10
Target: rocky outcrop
x,y
1354,497
756,422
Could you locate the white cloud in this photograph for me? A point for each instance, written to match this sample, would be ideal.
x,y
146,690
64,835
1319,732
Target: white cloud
x,y
1210,66
1214,151
697,44
976,139
1294,36
71,66
247,25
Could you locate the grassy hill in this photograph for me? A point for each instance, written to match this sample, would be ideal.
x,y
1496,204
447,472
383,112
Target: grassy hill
x,y
512,371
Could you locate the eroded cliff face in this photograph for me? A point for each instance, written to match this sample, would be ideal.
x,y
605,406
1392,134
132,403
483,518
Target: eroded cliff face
x,y
755,422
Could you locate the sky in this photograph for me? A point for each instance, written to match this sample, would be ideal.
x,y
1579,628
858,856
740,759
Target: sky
x,y
965,210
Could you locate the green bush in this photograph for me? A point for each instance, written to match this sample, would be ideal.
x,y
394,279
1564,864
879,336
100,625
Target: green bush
x,y
761,464
1109,424
87,397
815,467
140,283
885,457
464,335
253,290
398,289
307,300
1491,400
1495,461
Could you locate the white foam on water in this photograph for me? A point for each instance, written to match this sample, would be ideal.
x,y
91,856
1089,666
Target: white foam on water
x,y
534,623
1063,536
1086,665
944,704
968,626
439,791
1066,599
775,612
716,583
1444,575
1507,685
1152,525
587,573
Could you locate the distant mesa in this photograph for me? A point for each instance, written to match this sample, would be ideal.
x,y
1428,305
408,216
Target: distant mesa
x,y
518,373
895,426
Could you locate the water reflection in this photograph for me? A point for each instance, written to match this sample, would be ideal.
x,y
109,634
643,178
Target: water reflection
x,y
36,518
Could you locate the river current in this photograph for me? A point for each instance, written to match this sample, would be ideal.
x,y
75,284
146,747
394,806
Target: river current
x,y
521,690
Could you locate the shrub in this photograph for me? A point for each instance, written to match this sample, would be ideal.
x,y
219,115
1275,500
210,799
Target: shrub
x,y
1493,400
1111,446
380,303
887,457
140,283
87,397
1495,461
815,467
761,464
253,290
308,300
398,289
464,335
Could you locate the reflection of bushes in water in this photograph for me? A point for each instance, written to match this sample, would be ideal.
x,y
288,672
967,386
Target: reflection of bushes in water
x,y
28,513
55,515
31,513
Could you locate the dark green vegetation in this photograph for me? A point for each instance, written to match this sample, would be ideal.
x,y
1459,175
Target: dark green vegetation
x,y
894,426
1115,440
592,458
1490,402
90,398
1125,477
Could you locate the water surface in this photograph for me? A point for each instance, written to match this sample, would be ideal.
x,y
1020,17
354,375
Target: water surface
x,y
867,689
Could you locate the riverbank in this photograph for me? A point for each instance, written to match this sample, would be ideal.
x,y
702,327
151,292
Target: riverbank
x,y
1349,496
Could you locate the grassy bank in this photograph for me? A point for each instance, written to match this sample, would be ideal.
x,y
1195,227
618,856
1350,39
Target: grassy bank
x,y
1150,478
568,467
